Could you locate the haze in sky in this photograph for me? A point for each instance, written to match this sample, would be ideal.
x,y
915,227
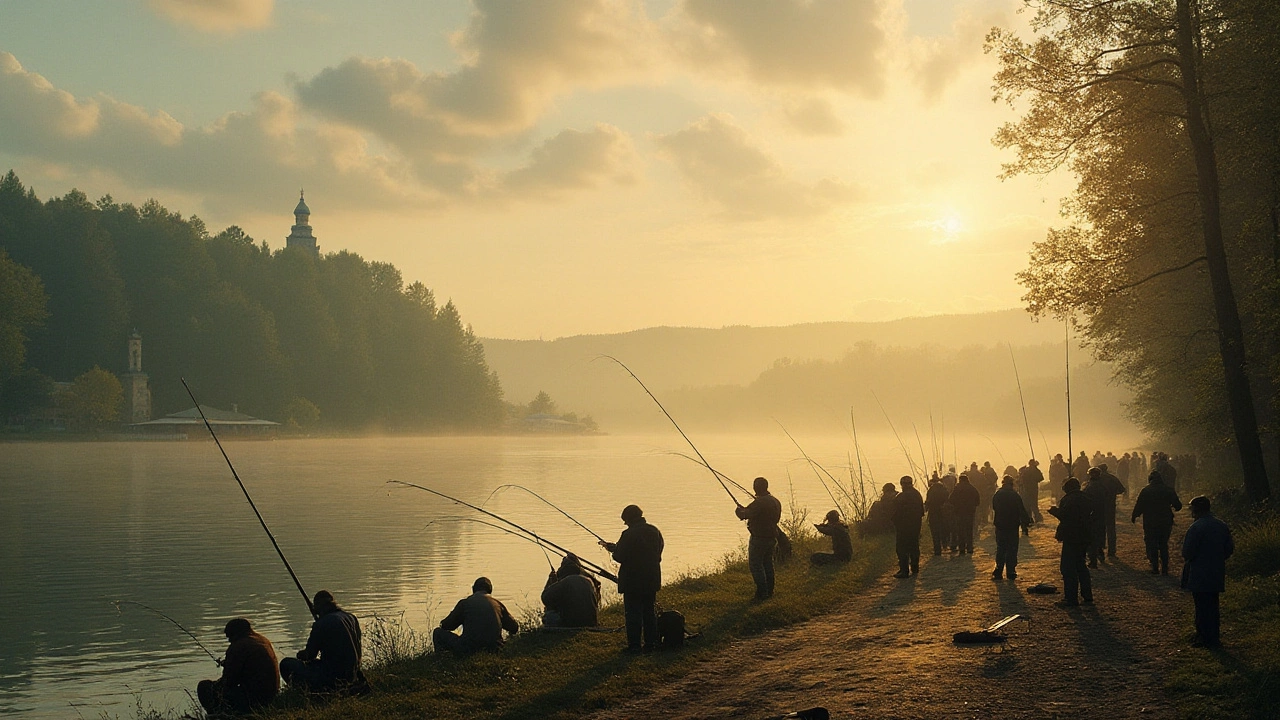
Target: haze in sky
x,y
556,167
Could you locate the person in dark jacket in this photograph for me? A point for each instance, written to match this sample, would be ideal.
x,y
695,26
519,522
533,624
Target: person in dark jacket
x,y
1080,467
638,553
571,597
1166,469
1097,492
762,517
1029,478
935,502
1156,505
908,514
1205,550
1059,471
482,619
964,503
841,545
987,483
250,679
1112,487
1075,522
879,520
1009,515
332,656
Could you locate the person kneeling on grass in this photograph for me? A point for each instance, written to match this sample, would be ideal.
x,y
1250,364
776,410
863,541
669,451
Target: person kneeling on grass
x,y
250,678
572,597
482,618
841,545
331,659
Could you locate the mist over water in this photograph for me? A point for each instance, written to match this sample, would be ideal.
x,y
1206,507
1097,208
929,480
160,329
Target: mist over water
x,y
83,524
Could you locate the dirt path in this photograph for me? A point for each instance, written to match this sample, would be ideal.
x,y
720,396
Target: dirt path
x,y
888,653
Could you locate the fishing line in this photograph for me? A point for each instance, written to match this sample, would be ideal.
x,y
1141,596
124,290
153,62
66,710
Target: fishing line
x,y
508,531
550,504
1020,400
175,623
307,599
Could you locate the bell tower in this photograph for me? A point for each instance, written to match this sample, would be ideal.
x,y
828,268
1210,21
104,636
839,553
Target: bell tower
x,y
136,390
300,234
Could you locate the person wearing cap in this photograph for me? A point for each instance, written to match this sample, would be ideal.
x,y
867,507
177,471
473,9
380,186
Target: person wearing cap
x,y
482,619
1075,522
638,553
1205,550
762,517
908,514
1156,505
571,597
250,679
1009,515
331,659
841,545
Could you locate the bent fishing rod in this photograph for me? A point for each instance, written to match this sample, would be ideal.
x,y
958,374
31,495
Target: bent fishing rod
x,y
175,623
599,570
298,583
1023,402
905,453
495,526
815,467
722,476
547,502
653,397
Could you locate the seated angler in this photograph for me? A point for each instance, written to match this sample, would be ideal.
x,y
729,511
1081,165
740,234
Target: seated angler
x,y
482,619
250,679
572,597
841,545
331,659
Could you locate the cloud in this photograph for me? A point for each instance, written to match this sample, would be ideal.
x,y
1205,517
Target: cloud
x,y
834,44
717,157
216,16
937,61
575,160
814,116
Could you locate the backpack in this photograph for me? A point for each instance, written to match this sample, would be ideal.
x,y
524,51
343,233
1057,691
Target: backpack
x,y
670,630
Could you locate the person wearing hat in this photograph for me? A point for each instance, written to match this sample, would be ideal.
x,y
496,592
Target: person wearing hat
x,y
482,618
331,659
762,517
250,678
1156,505
638,553
1205,550
841,545
572,597
1075,531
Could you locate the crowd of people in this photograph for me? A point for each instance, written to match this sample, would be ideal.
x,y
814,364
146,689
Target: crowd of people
x,y
1083,499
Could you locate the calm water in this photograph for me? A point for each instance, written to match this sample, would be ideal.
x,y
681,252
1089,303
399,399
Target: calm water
x,y
164,524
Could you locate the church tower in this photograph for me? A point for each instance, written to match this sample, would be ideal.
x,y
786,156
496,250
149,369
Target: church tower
x,y
136,391
300,235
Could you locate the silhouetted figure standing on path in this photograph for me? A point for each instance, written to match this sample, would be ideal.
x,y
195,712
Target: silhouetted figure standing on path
x,y
1096,490
1059,471
841,545
482,619
1075,519
250,678
331,658
1009,516
1080,467
1156,505
1113,487
1166,469
935,501
638,553
908,514
1030,478
990,483
965,501
1205,550
762,517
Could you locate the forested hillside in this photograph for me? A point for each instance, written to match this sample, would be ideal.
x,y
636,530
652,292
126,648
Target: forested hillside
x,y
278,332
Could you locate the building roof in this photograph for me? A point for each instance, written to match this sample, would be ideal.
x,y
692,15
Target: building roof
x,y
302,208
215,416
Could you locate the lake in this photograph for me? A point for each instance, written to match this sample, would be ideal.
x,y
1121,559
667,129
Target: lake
x,y
164,524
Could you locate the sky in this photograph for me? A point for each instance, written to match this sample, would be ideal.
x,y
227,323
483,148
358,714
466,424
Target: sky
x,y
557,167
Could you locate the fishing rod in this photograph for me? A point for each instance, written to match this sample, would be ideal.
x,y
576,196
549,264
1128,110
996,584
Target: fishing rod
x,y
911,463
1066,327
495,526
1047,453
550,504
997,447
857,448
1024,402
923,460
306,598
599,570
933,441
175,623
677,426
814,466
721,475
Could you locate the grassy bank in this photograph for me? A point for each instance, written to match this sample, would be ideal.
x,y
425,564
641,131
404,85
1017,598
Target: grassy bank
x,y
544,674
1241,680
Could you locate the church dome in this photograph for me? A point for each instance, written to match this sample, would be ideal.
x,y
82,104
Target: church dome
x,y
302,208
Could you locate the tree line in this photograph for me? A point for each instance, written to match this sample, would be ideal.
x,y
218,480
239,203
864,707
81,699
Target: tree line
x,y
336,341
1165,112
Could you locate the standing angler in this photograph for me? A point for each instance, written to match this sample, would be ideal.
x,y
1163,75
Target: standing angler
x,y
1075,518
638,553
1097,492
965,501
331,658
1156,505
1010,515
1030,478
935,501
1205,551
908,514
762,517
1113,487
